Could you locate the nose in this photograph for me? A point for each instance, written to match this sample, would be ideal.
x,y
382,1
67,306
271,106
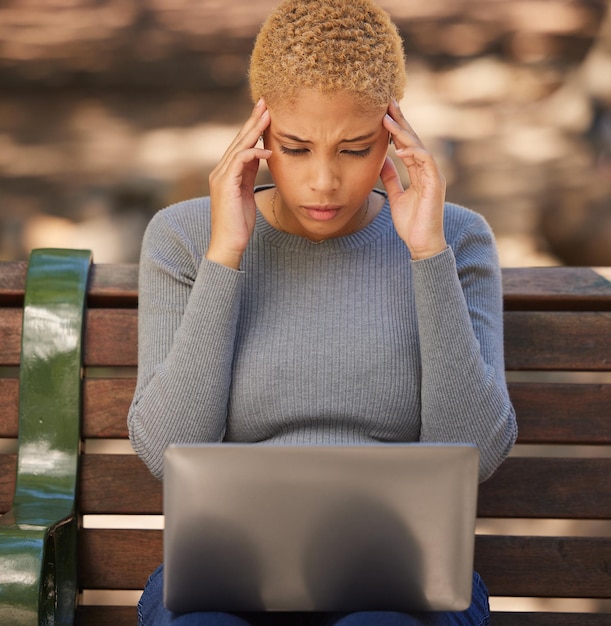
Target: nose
x,y
324,175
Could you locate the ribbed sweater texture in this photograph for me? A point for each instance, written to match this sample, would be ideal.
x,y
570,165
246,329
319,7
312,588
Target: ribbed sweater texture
x,y
346,341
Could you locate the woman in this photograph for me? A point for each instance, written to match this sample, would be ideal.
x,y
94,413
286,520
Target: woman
x,y
319,309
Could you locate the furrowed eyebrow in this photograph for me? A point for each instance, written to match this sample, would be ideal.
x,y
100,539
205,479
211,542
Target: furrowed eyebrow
x,y
351,140
359,138
292,138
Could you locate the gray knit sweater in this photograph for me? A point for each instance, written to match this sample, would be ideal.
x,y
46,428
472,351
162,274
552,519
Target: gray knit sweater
x,y
347,341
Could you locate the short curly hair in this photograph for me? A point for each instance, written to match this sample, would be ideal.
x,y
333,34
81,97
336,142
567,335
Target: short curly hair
x,y
329,45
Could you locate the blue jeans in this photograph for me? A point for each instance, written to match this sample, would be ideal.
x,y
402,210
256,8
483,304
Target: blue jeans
x,y
151,612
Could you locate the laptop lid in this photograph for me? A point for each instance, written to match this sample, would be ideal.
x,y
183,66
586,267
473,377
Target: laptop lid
x,y
319,528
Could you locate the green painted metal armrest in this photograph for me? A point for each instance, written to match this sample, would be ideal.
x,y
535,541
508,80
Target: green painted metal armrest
x,y
38,535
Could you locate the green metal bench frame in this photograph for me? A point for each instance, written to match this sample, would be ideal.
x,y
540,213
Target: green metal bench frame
x,y
38,536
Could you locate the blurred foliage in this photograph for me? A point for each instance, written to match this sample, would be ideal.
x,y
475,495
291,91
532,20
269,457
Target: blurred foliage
x,y
111,109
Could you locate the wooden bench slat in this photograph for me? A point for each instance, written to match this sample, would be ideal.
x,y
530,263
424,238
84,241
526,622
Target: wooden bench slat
x,y
573,488
535,340
118,559
112,338
105,615
121,484
127,616
12,282
518,566
562,413
557,341
548,413
113,285
9,407
8,467
10,336
548,488
559,567
556,288
106,403
540,288
507,618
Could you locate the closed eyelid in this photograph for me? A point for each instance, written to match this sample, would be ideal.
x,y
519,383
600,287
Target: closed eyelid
x,y
362,152
289,150
354,151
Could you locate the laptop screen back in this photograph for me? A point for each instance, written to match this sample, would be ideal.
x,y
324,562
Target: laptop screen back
x,y
319,528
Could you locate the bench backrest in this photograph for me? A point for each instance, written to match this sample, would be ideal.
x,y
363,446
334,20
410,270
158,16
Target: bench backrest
x,y
558,359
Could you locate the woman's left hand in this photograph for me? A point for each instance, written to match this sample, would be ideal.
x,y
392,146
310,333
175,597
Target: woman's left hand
x,y
417,211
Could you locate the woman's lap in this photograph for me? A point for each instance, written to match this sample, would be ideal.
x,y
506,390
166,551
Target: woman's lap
x,y
151,612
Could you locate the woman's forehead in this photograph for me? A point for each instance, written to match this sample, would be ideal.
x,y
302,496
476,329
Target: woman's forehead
x,y
312,114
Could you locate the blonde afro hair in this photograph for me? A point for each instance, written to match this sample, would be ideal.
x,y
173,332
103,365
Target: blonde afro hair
x,y
329,45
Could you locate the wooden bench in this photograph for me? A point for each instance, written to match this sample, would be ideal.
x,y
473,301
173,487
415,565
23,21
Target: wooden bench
x,y
558,358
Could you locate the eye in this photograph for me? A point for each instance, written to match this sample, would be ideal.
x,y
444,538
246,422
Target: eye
x,y
293,151
358,153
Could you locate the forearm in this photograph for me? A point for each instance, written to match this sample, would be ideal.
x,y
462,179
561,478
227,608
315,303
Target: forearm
x,y
185,358
464,396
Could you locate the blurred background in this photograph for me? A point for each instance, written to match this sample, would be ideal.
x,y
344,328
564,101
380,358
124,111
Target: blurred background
x,y
112,109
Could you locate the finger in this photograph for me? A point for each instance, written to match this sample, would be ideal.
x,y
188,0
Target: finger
x,y
391,179
401,127
397,114
252,129
239,159
422,170
401,137
236,166
251,167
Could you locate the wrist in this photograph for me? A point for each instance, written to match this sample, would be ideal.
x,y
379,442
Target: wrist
x,y
429,252
224,256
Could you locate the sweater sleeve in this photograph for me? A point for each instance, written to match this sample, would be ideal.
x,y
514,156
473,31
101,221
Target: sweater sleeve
x,y
188,310
460,325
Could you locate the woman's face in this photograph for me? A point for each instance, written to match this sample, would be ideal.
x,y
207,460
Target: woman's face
x,y
326,158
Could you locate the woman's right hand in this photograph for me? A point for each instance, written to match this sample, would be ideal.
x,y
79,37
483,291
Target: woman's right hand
x,y
232,197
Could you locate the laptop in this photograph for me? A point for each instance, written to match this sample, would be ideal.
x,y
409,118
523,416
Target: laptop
x,y
319,528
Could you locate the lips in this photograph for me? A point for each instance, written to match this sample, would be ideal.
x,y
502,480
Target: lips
x,y
322,212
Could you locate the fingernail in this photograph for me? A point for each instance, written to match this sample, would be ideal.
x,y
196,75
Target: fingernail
x,y
260,101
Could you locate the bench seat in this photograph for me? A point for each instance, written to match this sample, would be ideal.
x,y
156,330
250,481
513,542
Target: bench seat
x,y
558,361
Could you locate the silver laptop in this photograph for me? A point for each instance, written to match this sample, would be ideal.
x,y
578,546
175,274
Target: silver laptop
x,y
319,528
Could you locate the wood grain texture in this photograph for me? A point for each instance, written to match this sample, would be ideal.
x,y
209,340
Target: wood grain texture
x,y
106,404
106,616
118,559
562,413
566,488
559,567
548,340
550,619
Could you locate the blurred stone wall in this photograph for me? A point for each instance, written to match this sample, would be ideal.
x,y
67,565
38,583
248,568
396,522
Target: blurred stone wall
x,y
111,109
